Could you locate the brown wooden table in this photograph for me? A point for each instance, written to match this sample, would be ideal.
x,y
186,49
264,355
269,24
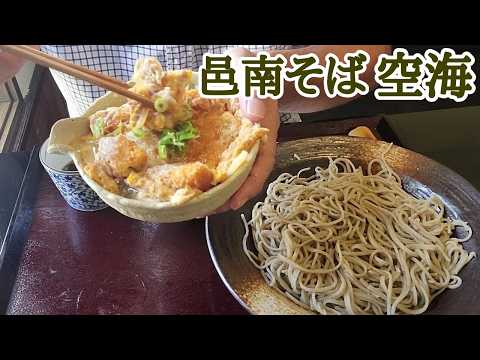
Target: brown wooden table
x,y
105,263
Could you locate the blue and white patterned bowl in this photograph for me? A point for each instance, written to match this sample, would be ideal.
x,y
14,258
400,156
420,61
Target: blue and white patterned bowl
x,y
74,190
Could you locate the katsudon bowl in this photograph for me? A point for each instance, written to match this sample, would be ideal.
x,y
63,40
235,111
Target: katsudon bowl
x,y
64,134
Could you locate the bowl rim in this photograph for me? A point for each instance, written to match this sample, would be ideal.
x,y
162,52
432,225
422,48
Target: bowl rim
x,y
43,151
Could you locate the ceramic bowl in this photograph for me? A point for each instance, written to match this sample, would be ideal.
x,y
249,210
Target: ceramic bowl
x,y
70,184
65,131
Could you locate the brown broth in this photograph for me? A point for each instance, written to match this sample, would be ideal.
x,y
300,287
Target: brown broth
x,y
70,167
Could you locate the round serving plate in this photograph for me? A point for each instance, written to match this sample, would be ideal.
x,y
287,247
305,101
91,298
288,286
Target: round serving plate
x,y
421,177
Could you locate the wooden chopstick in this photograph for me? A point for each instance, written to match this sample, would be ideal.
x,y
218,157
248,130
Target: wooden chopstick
x,y
77,71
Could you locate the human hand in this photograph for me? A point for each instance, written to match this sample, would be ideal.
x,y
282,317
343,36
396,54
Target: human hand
x,y
9,65
264,112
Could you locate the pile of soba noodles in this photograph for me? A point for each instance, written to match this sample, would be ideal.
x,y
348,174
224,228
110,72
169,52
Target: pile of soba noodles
x,y
344,242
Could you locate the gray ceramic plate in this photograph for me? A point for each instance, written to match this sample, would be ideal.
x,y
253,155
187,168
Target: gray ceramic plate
x,y
421,177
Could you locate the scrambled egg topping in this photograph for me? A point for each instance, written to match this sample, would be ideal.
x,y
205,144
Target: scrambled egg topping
x,y
185,146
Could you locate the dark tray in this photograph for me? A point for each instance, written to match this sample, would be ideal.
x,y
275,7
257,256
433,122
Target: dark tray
x,y
450,136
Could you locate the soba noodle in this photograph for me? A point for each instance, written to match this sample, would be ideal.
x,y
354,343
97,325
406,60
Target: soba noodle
x,y
341,242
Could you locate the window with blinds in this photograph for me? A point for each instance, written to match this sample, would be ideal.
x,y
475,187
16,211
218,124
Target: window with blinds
x,y
12,93
10,96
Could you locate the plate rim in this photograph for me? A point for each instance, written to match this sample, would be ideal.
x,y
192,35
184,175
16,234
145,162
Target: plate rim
x,y
220,272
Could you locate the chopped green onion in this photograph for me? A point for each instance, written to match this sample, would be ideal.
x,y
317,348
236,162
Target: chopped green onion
x,y
186,131
162,151
179,147
98,127
167,137
175,140
138,132
160,104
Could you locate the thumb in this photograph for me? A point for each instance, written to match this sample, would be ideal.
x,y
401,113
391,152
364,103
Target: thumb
x,y
9,65
253,108
237,53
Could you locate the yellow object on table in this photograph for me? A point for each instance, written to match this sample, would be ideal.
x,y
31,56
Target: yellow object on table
x,y
362,131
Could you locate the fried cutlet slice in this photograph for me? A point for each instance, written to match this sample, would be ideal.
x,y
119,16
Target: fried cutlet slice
x,y
163,181
121,155
96,172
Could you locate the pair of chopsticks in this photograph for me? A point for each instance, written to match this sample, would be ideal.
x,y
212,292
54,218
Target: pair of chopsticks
x,y
77,71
